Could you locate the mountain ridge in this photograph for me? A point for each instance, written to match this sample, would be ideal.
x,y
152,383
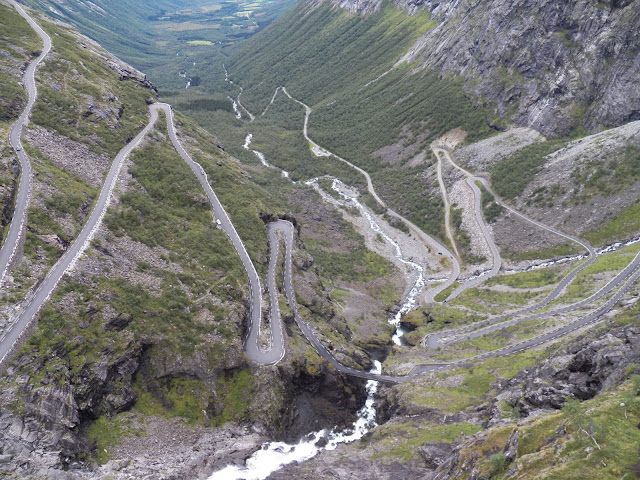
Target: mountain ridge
x,y
557,67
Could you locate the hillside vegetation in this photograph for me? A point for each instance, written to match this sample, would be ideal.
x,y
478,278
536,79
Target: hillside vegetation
x,y
351,118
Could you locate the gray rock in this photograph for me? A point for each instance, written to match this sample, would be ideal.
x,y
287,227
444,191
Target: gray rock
x,y
511,448
560,65
435,454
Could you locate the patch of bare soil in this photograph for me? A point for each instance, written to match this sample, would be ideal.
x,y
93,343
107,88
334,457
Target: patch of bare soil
x,y
451,139
70,156
481,156
512,233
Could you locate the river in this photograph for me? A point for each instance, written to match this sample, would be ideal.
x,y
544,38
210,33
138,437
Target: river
x,y
275,455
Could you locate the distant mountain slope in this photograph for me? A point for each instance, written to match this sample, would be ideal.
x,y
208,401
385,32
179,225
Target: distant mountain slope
x,y
552,65
164,38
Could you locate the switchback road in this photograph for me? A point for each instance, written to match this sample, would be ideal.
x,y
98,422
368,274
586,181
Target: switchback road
x,y
33,303
431,242
439,339
22,198
251,346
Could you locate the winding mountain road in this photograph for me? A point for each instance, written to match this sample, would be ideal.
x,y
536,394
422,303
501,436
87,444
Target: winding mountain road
x,y
34,302
287,230
251,346
23,196
484,229
447,207
431,242
276,351
439,339
627,274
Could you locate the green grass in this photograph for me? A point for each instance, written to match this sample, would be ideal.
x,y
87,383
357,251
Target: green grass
x,y
308,51
474,384
483,299
64,99
611,424
106,433
531,279
446,292
490,209
164,37
436,317
402,439
584,283
18,42
623,225
320,57
238,388
278,135
511,175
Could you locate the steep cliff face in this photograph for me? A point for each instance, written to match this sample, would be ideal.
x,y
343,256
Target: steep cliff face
x,y
551,65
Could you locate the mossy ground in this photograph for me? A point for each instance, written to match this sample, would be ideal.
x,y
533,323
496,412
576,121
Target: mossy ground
x,y
600,441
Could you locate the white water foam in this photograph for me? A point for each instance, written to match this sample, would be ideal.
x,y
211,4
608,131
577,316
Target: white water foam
x,y
260,155
419,283
237,112
275,455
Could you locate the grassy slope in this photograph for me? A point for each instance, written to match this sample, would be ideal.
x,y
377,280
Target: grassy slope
x,y
17,42
184,312
600,441
65,98
325,57
186,320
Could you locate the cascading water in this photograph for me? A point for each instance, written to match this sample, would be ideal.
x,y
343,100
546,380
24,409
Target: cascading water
x,y
260,155
419,283
234,104
275,455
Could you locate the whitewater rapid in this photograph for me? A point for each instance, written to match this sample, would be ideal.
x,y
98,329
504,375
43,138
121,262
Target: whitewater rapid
x,y
275,455
260,155
419,283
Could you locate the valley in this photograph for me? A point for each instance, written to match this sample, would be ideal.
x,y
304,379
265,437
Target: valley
x,y
232,259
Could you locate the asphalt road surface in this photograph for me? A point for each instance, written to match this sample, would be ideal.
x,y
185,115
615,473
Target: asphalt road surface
x,y
251,345
18,222
435,340
33,303
431,242
276,351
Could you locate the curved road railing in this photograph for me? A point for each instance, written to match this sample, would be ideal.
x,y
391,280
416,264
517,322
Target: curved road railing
x,y
435,340
438,340
23,196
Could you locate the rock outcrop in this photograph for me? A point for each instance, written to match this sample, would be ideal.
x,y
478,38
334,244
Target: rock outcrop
x,y
582,371
551,65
